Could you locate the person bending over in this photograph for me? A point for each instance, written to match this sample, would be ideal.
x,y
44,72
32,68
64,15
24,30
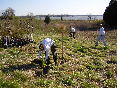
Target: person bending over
x,y
46,46
72,32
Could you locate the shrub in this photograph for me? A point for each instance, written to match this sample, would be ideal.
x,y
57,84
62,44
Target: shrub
x,y
47,20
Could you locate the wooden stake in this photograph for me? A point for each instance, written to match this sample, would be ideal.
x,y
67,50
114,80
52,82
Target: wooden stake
x,y
62,46
62,51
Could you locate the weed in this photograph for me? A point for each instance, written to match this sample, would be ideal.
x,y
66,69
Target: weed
x,y
110,83
109,74
88,85
68,81
113,60
19,76
43,83
8,84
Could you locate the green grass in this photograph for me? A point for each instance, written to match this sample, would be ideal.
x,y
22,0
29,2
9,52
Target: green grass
x,y
8,84
85,66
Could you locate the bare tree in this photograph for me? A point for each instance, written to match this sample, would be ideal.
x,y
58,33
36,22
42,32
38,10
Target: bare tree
x,y
8,13
30,15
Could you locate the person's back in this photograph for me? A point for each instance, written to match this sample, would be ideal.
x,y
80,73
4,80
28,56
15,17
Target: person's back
x,y
72,32
73,29
47,43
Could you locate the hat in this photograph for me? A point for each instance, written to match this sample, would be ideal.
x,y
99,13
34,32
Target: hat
x,y
100,24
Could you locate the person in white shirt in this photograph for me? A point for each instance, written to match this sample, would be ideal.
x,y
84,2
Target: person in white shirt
x,y
72,32
101,36
48,45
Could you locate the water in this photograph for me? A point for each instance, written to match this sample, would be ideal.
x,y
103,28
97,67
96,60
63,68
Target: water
x,y
72,17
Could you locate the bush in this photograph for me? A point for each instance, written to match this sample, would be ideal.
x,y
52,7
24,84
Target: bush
x,y
47,20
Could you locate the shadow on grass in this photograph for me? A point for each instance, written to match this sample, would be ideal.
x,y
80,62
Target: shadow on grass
x,y
46,70
23,67
20,67
43,72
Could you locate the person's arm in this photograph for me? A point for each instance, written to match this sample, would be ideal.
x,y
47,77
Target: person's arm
x,y
39,54
47,54
74,29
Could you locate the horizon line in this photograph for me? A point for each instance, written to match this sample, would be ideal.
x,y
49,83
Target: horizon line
x,y
64,15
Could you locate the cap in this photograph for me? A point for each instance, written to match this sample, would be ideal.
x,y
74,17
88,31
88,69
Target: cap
x,y
100,24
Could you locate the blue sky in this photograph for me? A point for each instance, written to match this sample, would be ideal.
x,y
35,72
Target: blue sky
x,y
40,7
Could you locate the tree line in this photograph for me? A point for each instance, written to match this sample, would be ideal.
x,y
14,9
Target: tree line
x,y
110,14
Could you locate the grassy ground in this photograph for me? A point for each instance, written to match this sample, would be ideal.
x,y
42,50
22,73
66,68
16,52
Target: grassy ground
x,y
85,66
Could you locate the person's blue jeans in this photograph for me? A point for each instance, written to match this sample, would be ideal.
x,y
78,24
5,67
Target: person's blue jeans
x,y
101,38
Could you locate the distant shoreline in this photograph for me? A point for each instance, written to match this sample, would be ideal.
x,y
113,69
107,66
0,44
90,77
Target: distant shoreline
x,y
67,15
71,17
